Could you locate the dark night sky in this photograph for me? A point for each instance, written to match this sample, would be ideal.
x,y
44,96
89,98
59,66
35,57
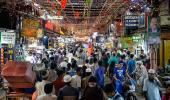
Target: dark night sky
x,y
5,20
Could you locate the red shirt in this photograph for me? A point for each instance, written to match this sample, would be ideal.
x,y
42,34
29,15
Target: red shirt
x,y
59,83
164,98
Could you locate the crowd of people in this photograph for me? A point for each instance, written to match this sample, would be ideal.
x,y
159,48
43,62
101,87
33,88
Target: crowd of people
x,y
102,75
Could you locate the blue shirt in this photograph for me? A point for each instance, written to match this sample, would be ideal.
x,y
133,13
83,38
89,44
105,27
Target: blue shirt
x,y
99,73
72,72
120,73
152,90
131,66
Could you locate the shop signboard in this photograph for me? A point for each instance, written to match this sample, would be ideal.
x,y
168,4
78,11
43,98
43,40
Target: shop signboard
x,y
7,38
131,21
136,39
165,7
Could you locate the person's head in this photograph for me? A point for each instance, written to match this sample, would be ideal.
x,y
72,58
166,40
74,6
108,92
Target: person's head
x,y
112,64
34,54
48,88
68,66
67,79
128,52
72,60
122,57
131,56
81,50
86,61
95,60
109,90
120,64
103,53
88,71
91,61
78,71
118,55
71,51
151,74
113,54
60,73
100,63
45,74
139,63
53,65
52,58
52,53
92,81
168,89
153,23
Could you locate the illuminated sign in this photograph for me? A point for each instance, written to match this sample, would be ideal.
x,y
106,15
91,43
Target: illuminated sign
x,y
131,21
7,38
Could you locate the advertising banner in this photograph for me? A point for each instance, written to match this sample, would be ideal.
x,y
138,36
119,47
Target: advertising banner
x,y
153,30
30,27
7,38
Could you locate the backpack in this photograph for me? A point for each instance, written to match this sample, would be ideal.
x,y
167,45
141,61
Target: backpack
x,y
99,91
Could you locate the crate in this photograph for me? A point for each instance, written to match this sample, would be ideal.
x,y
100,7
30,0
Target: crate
x,y
19,74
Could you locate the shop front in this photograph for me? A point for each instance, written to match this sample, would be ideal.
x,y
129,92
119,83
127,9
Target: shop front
x,y
165,49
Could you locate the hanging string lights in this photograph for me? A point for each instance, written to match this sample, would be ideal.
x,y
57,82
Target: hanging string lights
x,y
63,4
53,5
77,14
48,1
58,12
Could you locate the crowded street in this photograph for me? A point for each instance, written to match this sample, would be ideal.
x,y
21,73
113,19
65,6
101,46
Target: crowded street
x,y
84,49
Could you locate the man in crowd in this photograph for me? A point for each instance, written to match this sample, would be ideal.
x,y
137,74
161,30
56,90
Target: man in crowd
x,y
86,78
63,64
93,91
151,86
68,92
113,58
131,66
111,92
40,85
48,88
76,79
99,73
119,75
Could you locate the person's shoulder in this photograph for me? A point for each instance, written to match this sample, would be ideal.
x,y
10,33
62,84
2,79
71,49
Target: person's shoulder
x,y
74,89
54,97
61,89
74,76
118,97
40,97
146,80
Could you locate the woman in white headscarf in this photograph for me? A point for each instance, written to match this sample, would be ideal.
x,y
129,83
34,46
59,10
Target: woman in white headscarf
x,y
141,73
